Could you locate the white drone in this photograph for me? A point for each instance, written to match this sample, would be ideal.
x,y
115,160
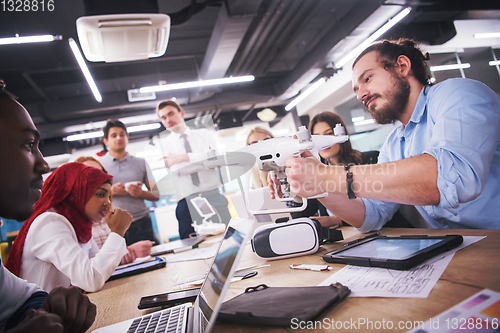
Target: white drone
x,y
272,153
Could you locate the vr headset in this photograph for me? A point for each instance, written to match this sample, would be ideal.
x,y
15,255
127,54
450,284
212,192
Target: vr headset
x,y
292,238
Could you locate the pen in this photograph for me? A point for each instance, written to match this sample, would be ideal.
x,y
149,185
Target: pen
x,y
362,239
319,268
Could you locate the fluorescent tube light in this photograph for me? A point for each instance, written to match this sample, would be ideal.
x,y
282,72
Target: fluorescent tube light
x,y
488,35
83,136
494,63
101,124
449,67
85,69
364,122
305,94
195,84
402,14
29,39
97,134
148,153
357,119
146,127
138,119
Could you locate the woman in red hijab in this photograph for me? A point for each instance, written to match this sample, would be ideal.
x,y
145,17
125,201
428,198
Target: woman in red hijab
x,y
55,246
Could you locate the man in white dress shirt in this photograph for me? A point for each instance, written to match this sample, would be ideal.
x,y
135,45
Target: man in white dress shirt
x,y
182,147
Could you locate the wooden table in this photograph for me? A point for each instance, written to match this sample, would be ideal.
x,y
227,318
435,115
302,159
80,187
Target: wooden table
x,y
472,269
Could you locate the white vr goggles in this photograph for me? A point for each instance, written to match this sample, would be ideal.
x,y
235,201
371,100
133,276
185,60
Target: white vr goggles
x,y
292,238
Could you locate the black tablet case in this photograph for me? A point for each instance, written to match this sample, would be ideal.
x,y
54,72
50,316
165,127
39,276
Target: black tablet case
x,y
452,241
138,268
277,306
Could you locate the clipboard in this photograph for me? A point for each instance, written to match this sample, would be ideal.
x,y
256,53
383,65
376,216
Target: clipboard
x,y
139,268
401,253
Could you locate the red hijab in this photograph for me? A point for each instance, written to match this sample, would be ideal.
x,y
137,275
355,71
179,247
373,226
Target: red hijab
x,y
67,190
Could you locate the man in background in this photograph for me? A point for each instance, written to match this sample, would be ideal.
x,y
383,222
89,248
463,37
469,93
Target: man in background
x,y
182,147
23,306
129,174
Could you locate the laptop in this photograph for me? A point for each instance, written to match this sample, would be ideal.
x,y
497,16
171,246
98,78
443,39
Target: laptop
x,y
199,317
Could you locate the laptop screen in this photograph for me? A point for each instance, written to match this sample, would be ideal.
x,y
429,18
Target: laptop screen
x,y
222,266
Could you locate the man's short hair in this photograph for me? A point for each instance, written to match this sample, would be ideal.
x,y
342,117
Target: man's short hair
x,y
113,123
390,50
4,93
168,102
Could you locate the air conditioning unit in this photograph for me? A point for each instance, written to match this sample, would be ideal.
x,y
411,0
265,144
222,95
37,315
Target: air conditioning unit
x,y
134,95
123,37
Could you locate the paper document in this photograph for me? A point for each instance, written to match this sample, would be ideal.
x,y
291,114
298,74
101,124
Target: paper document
x,y
195,279
137,261
383,282
214,240
195,254
478,313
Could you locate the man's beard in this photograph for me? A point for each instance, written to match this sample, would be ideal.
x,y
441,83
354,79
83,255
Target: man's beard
x,y
396,102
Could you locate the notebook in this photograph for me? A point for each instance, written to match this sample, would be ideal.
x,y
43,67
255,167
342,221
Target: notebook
x,y
199,317
177,245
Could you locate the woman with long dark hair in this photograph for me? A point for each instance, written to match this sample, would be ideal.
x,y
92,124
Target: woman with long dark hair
x,y
340,153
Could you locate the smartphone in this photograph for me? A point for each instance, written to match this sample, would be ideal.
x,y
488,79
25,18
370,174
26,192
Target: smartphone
x,y
169,299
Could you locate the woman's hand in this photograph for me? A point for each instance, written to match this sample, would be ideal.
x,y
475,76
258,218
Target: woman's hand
x,y
141,248
129,257
118,221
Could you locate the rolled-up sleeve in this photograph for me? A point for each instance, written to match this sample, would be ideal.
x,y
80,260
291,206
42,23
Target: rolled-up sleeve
x,y
377,213
464,139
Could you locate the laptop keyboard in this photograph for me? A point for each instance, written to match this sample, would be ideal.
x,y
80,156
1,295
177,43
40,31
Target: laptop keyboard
x,y
204,322
166,321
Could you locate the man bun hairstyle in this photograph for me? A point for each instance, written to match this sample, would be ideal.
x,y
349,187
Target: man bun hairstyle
x,y
390,50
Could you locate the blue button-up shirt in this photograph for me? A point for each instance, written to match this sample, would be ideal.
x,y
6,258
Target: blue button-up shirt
x,y
458,123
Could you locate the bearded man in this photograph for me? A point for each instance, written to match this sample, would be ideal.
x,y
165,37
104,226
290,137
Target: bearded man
x,y
444,158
